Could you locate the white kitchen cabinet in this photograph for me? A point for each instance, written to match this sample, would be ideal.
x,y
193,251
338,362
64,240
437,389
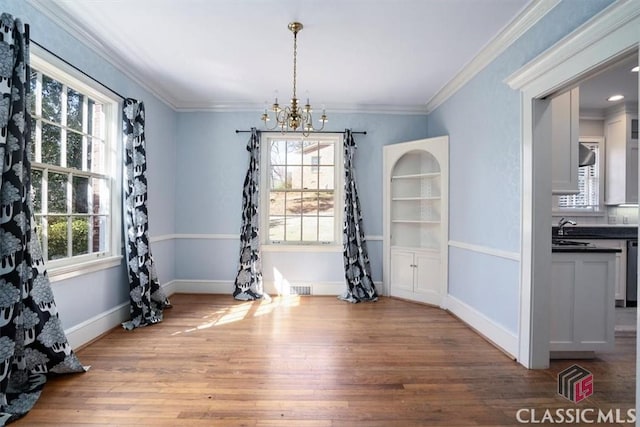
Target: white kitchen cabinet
x,y
565,133
582,316
621,132
415,219
620,267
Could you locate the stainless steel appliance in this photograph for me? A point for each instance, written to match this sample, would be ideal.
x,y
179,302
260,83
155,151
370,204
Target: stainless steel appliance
x,y
632,273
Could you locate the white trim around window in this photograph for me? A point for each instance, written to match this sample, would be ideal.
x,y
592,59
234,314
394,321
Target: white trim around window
x,y
57,69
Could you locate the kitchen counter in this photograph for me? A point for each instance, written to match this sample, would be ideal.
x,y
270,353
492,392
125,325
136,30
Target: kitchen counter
x,y
597,232
589,248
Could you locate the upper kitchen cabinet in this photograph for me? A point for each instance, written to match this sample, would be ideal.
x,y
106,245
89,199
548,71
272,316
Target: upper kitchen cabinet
x,y
564,129
621,132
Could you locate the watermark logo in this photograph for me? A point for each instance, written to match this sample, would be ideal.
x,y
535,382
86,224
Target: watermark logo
x,y
575,383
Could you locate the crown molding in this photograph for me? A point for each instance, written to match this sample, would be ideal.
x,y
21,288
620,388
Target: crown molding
x,y
186,107
600,25
520,25
67,23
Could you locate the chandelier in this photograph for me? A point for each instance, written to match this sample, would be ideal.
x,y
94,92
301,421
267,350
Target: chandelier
x,y
290,118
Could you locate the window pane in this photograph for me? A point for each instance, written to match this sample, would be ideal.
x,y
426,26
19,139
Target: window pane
x,y
326,178
277,152
310,153
74,109
57,232
326,200
100,234
293,203
96,155
51,144
326,229
99,196
74,150
51,99
276,228
36,185
80,194
293,226
80,236
278,177
310,228
57,194
310,177
327,153
33,83
310,204
294,152
294,177
276,203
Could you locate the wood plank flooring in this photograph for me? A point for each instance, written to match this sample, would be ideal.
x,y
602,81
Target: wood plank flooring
x,y
313,361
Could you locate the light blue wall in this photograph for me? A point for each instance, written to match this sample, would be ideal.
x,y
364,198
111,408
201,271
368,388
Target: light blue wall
x,y
211,165
483,123
87,296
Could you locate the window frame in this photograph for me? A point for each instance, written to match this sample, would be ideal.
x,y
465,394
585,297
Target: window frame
x,y
61,71
601,209
265,185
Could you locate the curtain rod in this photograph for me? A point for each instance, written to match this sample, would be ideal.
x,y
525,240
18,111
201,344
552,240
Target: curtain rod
x,y
76,68
364,132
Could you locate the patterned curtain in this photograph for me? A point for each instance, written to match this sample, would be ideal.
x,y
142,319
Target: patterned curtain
x,y
32,340
357,269
147,299
248,284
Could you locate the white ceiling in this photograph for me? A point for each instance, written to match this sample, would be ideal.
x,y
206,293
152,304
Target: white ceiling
x,y
392,55
615,79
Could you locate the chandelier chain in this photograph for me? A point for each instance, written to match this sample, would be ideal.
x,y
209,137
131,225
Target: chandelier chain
x,y
295,55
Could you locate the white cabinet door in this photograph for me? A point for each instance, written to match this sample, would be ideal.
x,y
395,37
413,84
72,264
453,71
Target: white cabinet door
x,y
402,271
427,273
582,315
565,142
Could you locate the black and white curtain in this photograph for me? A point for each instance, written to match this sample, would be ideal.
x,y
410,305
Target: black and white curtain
x,y
147,298
357,269
248,283
32,340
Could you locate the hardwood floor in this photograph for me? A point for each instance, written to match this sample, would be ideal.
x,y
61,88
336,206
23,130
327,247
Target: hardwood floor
x,y
313,361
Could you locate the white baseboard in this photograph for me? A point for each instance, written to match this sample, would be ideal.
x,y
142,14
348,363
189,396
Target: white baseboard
x,y
496,334
87,331
91,329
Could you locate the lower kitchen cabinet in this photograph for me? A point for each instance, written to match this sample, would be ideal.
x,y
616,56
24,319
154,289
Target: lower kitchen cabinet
x,y
582,315
620,266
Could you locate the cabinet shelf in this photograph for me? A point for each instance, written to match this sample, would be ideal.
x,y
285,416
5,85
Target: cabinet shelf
x,y
417,175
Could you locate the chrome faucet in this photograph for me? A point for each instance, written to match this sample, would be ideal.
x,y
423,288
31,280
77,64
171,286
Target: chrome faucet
x,y
563,221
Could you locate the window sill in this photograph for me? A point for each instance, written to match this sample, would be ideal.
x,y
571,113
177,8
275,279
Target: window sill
x,y
69,271
302,248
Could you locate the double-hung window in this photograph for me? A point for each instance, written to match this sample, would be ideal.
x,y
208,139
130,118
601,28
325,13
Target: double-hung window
x,y
590,185
74,169
302,189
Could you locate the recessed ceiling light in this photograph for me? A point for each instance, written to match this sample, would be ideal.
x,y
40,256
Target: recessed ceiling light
x,y
613,98
635,69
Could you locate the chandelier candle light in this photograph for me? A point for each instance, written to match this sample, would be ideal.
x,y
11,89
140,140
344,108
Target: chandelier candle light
x,y
293,117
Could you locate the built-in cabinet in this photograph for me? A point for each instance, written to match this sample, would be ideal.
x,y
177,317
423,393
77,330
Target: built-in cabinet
x,y
621,132
620,266
582,315
415,217
564,122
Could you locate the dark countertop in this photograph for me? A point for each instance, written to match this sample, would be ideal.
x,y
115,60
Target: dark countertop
x,y
583,249
597,232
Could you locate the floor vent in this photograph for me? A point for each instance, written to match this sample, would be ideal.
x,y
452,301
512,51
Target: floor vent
x,y
300,290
